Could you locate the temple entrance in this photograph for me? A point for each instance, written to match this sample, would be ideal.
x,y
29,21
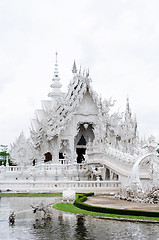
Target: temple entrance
x,y
85,135
81,149
48,157
80,154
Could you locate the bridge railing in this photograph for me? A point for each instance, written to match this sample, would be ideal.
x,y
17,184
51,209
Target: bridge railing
x,y
45,167
58,186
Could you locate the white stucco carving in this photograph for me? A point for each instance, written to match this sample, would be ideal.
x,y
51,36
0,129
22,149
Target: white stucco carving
x,y
22,151
78,127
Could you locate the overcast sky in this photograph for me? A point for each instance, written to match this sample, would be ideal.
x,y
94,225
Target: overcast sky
x,y
117,40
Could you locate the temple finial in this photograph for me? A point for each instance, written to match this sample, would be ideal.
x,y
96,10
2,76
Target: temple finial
x,y
56,85
127,104
87,73
80,71
56,72
74,68
128,110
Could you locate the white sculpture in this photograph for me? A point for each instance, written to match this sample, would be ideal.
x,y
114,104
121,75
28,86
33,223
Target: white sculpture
x,y
22,151
68,195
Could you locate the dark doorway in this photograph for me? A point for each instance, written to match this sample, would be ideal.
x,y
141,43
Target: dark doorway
x,y
81,149
82,141
80,154
61,156
48,157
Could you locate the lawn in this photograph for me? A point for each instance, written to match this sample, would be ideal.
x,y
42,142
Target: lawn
x,y
68,207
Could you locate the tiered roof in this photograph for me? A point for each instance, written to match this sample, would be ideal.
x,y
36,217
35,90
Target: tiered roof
x,y
55,116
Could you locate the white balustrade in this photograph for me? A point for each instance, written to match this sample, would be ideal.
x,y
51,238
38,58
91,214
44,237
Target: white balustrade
x,y
58,186
28,178
46,167
63,161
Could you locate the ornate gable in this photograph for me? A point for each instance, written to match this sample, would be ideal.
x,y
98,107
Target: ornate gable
x,y
87,106
22,152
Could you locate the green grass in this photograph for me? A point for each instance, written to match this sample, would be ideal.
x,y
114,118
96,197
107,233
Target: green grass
x,y
68,207
29,194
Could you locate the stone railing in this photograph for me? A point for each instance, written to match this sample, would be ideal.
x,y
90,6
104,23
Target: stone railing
x,y
15,168
64,161
45,167
58,186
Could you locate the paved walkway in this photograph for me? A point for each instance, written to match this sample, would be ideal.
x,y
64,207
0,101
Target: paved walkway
x,y
112,202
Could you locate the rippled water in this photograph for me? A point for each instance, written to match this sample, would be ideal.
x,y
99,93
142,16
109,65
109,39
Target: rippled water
x,y
65,225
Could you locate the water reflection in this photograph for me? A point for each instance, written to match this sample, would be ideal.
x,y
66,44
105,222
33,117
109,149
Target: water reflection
x,y
80,229
65,225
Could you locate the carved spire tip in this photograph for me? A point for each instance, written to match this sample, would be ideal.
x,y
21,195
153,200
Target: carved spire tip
x,y
74,68
56,72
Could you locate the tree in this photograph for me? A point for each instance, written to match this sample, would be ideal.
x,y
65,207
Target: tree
x,y
157,148
3,154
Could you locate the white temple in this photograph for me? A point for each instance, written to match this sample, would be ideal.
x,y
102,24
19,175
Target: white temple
x,y
75,137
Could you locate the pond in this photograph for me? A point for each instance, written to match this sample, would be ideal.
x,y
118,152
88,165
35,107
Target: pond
x,y
65,225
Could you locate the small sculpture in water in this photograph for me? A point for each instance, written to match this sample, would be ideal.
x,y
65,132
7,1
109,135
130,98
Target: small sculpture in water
x,y
41,208
11,218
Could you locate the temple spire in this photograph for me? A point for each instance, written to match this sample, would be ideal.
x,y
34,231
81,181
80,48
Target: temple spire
x,y
74,68
56,72
128,110
127,104
87,73
56,85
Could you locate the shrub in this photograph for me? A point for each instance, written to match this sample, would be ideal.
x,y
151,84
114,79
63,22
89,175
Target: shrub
x,y
79,202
